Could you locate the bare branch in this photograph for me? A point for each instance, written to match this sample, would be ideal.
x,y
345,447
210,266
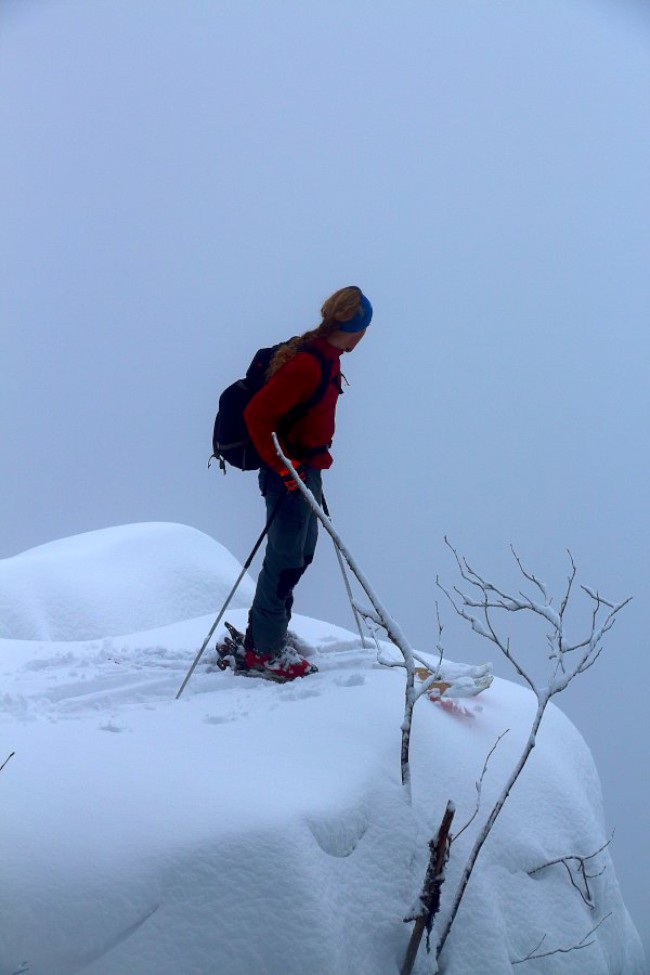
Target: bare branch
x,y
581,870
585,652
479,784
6,760
529,575
597,597
492,599
589,661
534,953
366,612
487,826
439,645
486,629
567,593
380,614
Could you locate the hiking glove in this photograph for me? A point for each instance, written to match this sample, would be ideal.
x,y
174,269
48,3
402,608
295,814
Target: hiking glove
x,y
288,480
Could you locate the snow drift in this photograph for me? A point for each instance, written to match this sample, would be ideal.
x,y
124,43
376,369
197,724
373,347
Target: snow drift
x,y
116,580
254,828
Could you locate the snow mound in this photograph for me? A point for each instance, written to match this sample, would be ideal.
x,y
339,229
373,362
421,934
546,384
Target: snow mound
x,y
115,581
256,828
251,828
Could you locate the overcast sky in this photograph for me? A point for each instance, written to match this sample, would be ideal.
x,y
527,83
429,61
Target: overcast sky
x,y
183,181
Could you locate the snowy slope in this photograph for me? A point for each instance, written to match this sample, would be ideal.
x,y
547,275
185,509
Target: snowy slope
x,y
255,828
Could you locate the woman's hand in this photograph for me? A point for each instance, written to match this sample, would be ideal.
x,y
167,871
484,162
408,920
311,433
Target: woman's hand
x,y
287,477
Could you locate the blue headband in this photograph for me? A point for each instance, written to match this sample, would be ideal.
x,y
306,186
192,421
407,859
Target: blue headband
x,y
361,320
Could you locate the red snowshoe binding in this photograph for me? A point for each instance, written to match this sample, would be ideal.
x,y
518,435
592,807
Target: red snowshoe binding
x,y
284,666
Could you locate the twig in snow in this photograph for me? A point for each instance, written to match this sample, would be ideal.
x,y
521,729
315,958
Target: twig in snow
x,y
582,884
479,785
534,953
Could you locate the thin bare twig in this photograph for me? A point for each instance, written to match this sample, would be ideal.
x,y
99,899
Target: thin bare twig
x,y
567,592
479,785
534,953
581,869
530,576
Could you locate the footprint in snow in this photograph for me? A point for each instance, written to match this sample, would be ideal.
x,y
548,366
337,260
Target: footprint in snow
x,y
354,680
298,695
219,718
112,726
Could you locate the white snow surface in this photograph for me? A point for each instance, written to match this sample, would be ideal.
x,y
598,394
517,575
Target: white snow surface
x,y
113,581
256,828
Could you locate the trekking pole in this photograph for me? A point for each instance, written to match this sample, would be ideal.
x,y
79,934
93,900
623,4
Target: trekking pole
x,y
346,580
231,594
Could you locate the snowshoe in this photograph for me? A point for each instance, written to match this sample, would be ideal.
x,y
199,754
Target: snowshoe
x,y
230,651
282,667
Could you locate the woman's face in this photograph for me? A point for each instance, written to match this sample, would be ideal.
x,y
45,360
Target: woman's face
x,y
352,340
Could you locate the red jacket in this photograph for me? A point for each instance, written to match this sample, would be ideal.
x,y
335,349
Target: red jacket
x,y
294,383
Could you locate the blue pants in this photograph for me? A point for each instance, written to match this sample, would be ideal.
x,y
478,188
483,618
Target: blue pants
x,y
290,546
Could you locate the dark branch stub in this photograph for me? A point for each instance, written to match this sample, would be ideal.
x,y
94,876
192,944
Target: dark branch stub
x,y
430,895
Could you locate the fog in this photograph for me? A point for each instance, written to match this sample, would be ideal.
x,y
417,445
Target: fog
x,y
183,182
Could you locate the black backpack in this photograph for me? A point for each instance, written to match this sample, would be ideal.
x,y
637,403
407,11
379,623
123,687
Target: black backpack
x,y
231,443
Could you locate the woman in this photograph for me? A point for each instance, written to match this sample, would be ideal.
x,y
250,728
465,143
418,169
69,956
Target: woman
x,y
298,402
